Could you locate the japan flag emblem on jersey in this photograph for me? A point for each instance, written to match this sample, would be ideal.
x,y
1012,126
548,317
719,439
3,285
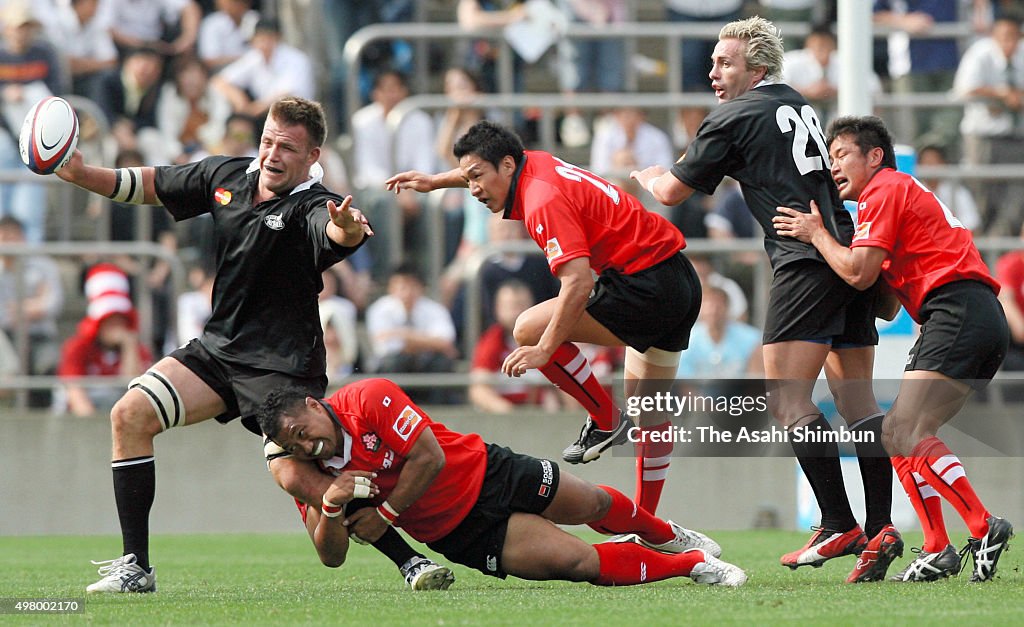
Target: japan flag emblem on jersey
x,y
406,422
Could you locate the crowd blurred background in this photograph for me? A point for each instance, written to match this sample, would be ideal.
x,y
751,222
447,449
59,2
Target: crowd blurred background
x,y
610,85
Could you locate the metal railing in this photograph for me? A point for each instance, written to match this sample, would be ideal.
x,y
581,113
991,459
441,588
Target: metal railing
x,y
143,298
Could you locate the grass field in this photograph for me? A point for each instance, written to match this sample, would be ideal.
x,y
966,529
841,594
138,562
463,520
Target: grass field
x,y
276,579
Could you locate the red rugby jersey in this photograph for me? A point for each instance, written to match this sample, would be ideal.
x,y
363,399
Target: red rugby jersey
x,y
572,213
928,247
384,424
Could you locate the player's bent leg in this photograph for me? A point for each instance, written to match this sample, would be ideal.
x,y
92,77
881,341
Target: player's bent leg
x,y
536,549
167,395
792,368
849,372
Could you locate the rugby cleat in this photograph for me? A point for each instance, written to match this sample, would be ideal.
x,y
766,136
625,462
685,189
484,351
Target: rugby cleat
x,y
930,566
123,575
685,540
874,560
824,545
986,550
714,571
425,574
593,441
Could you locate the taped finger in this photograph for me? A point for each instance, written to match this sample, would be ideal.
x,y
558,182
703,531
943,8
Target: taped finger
x,y
361,491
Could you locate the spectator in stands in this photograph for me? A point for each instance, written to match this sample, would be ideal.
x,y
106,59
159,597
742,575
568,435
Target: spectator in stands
x,y
129,96
380,148
591,65
476,15
106,343
991,81
720,346
338,318
191,115
954,195
529,268
169,27
710,277
502,396
696,55
29,72
409,332
196,305
31,294
814,72
342,18
1010,273
83,38
269,70
239,138
624,141
224,34
922,64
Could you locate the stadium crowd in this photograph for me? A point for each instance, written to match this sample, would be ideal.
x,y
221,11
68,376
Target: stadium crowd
x,y
172,81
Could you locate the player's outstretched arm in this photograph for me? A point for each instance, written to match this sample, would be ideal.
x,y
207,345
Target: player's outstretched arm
x,y
423,182
348,225
666,189
130,185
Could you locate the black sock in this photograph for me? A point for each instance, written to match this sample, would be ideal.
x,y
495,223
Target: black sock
x,y
820,463
134,489
391,544
876,473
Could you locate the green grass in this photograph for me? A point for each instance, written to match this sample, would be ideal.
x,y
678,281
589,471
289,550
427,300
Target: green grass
x,y
276,579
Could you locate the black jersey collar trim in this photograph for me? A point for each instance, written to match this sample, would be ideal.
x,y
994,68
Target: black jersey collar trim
x,y
316,175
511,198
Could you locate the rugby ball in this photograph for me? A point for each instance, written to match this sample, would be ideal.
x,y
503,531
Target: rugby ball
x,y
49,135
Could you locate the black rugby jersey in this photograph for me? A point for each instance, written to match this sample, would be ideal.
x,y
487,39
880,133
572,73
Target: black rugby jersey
x,y
269,261
770,140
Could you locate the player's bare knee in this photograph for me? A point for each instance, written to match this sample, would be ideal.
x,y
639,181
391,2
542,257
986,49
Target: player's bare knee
x,y
526,332
601,502
579,565
133,415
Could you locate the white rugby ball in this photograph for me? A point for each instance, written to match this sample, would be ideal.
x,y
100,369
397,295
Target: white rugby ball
x,y
49,135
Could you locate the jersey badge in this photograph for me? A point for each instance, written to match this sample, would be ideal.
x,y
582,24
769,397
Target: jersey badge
x,y
274,222
406,422
553,250
222,196
371,441
539,229
863,230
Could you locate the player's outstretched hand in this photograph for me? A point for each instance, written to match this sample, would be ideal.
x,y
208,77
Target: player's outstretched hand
x,y
523,358
348,218
797,224
414,180
366,524
352,484
644,176
72,168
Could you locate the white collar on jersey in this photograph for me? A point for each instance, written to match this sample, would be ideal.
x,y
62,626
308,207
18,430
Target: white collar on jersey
x,y
338,462
765,82
316,175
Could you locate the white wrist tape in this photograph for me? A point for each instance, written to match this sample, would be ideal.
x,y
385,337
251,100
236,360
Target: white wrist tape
x,y
128,186
651,183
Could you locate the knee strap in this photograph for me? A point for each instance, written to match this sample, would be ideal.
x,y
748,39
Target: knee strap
x,y
166,402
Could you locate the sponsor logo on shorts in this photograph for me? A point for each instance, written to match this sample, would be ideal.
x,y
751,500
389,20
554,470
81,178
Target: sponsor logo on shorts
x,y
406,422
863,230
910,359
547,477
492,563
553,249
274,222
222,195
371,441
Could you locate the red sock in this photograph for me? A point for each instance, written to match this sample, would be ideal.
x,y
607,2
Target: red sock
x,y
626,564
570,371
927,504
652,463
944,472
625,517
